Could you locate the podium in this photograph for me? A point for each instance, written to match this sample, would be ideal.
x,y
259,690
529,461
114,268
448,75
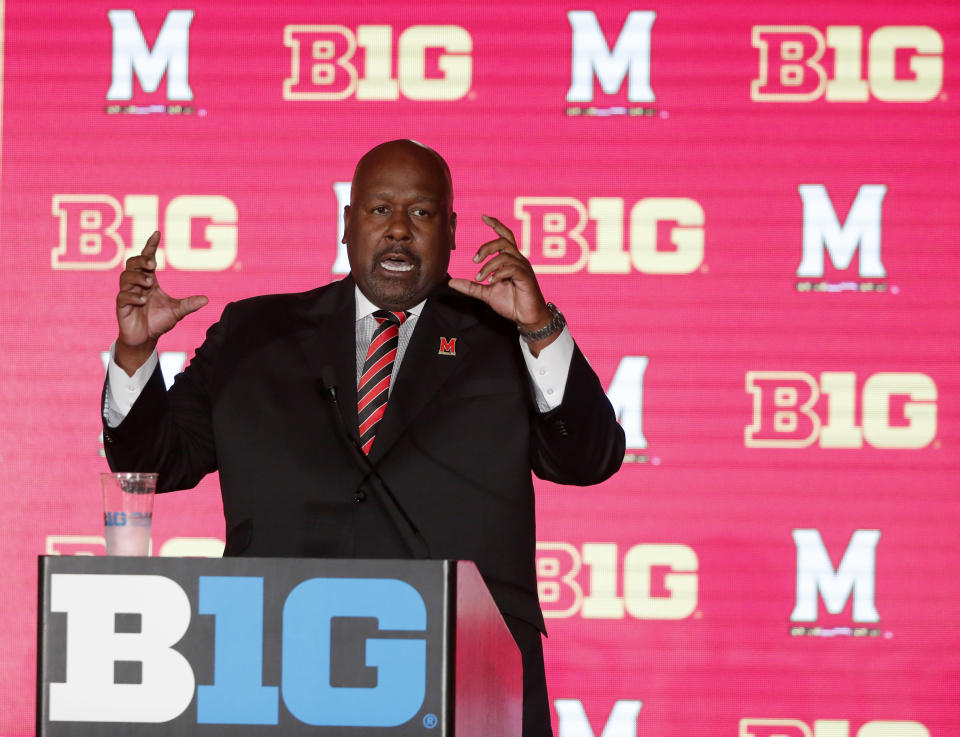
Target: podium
x,y
272,646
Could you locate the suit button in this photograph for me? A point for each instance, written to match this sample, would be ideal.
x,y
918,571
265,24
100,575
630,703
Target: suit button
x,y
359,496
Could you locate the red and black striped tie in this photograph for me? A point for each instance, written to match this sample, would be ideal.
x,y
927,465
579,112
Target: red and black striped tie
x,y
375,380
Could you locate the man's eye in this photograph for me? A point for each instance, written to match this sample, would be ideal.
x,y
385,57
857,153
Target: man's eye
x,y
380,209
420,212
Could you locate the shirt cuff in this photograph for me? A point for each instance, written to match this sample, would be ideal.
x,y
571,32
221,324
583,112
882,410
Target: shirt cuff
x,y
122,390
548,371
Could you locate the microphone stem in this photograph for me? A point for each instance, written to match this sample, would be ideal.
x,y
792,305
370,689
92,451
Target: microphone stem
x,y
370,468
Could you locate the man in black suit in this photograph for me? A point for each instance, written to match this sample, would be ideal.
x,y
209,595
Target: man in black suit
x,y
481,384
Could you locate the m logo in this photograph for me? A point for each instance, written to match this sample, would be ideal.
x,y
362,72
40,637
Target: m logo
x,y
131,55
626,395
572,719
448,347
629,58
856,575
822,230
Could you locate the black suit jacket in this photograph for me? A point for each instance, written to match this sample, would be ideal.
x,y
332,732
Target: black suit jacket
x,y
456,446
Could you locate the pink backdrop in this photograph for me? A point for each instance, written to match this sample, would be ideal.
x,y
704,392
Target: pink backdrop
x,y
748,214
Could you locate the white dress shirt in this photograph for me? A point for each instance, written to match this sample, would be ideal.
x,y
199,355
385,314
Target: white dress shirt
x,y
548,371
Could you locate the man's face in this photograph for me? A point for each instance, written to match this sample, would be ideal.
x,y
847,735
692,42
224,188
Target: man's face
x,y
399,226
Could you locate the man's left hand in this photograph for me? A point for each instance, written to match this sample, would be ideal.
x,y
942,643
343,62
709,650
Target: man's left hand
x,y
512,290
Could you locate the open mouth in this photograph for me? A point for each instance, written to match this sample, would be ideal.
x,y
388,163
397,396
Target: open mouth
x,y
396,263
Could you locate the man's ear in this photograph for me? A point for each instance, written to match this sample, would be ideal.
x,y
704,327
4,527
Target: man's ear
x,y
453,231
346,222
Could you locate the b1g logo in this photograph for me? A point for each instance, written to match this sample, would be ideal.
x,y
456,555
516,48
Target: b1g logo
x,y
855,577
896,410
324,63
129,620
792,66
666,235
96,233
133,57
657,582
829,728
823,233
593,60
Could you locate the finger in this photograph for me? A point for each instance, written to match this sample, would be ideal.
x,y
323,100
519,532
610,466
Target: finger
x,y
125,299
499,228
189,304
134,289
135,278
146,261
151,247
495,264
500,245
139,263
469,288
509,272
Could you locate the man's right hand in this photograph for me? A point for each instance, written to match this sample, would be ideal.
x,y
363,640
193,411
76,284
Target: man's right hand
x,y
144,311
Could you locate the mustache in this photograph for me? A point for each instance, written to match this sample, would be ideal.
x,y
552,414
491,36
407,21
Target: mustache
x,y
397,251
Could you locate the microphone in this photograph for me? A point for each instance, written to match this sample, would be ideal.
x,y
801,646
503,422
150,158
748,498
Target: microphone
x,y
329,381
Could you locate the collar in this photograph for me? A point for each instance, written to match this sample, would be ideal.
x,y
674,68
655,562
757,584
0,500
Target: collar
x,y
366,307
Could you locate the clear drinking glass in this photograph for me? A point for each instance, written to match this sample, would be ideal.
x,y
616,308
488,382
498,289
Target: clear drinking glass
x,y
128,511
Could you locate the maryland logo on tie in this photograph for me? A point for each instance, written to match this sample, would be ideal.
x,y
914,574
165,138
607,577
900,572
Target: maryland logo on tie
x,y
448,347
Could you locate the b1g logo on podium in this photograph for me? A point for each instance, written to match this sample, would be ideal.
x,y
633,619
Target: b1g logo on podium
x,y
123,666
97,233
325,63
829,728
904,64
896,410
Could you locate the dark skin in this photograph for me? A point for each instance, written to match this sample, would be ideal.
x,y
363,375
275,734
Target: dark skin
x,y
399,231
144,311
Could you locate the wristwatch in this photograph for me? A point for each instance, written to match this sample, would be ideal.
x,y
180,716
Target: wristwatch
x,y
554,326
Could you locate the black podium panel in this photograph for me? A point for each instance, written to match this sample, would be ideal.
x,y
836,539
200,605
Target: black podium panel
x,y
270,646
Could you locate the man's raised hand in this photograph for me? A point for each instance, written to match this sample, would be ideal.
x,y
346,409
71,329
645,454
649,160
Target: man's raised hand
x,y
144,311
512,289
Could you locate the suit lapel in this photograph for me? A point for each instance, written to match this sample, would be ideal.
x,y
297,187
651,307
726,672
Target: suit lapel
x,y
329,342
425,370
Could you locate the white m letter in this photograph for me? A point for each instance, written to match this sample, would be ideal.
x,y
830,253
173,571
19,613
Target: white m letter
x,y
626,396
630,56
821,228
572,720
131,54
855,575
